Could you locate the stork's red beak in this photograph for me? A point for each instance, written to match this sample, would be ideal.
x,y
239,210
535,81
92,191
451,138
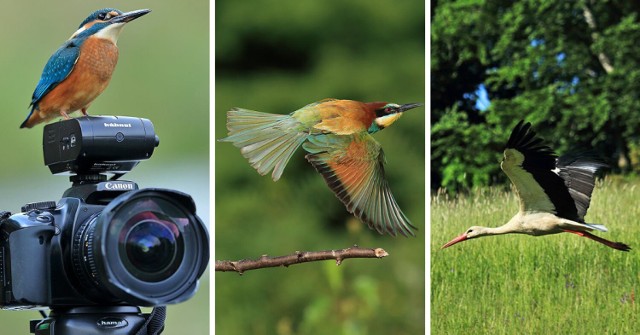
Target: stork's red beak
x,y
460,238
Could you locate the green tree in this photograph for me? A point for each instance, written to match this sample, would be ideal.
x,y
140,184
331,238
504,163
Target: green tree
x,y
569,67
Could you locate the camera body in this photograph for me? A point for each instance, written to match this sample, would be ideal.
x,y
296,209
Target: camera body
x,y
33,245
106,242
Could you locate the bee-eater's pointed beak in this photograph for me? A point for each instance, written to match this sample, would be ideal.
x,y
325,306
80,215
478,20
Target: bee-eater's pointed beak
x,y
406,107
130,16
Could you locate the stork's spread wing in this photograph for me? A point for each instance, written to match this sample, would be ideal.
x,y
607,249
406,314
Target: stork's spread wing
x,y
352,166
529,164
579,174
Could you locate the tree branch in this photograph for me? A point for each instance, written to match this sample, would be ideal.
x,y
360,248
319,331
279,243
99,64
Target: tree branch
x,y
299,257
591,22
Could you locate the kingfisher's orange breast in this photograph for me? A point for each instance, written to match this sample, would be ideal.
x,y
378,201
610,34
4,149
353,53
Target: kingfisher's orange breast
x,y
88,79
344,117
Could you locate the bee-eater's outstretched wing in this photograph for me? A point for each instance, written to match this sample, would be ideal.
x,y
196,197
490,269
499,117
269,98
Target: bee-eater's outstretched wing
x,y
267,140
352,166
57,69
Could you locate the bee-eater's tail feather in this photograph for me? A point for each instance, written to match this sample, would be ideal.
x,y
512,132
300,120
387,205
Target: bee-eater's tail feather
x,y
267,140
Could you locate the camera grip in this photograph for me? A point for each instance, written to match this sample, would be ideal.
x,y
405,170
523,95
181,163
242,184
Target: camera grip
x,y
30,252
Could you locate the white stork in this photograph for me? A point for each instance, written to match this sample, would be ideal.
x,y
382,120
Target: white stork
x,y
554,193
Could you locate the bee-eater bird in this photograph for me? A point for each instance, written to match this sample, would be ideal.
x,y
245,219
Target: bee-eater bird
x,y
336,135
554,192
81,68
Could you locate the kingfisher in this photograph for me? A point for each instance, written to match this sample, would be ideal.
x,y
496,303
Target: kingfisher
x,y
81,68
336,134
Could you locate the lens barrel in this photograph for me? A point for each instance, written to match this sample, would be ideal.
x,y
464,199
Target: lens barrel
x,y
146,248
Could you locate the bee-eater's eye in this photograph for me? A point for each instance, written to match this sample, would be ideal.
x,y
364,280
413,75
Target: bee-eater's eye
x,y
388,110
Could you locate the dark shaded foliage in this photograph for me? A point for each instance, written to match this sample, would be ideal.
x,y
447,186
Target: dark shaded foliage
x,y
573,77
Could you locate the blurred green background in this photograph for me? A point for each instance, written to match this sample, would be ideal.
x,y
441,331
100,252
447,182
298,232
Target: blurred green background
x,y
277,57
162,75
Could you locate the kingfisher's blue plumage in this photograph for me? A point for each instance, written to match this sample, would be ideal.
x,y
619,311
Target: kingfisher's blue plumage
x,y
57,69
100,14
61,65
62,61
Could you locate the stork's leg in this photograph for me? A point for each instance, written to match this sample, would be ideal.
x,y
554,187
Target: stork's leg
x,y
615,245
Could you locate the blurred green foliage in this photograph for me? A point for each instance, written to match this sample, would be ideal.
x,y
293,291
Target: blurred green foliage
x,y
277,57
569,67
162,75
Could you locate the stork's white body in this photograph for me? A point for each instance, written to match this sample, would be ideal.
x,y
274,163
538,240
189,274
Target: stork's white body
x,y
540,223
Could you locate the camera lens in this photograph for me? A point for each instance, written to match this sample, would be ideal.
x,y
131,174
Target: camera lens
x,y
152,252
147,248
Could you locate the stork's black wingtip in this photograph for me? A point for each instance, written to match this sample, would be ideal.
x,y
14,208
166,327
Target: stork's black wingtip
x,y
519,131
620,246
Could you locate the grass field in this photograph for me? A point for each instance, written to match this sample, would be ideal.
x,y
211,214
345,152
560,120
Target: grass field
x,y
518,284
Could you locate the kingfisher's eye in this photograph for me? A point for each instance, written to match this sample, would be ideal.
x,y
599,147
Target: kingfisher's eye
x,y
107,16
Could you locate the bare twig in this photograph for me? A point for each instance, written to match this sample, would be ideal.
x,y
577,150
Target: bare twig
x,y
300,257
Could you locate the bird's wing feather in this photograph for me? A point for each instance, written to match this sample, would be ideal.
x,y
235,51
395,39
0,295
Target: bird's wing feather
x,y
578,170
57,69
352,167
267,140
529,164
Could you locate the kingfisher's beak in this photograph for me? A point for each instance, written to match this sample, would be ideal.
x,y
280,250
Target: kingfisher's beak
x,y
458,239
406,107
130,16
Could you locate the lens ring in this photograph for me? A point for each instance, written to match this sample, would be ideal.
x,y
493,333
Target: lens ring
x,y
83,255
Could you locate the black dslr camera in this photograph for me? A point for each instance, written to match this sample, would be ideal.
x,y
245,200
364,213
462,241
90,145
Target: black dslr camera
x,y
106,242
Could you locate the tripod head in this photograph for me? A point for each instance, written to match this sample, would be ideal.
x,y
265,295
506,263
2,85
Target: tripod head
x,y
99,320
